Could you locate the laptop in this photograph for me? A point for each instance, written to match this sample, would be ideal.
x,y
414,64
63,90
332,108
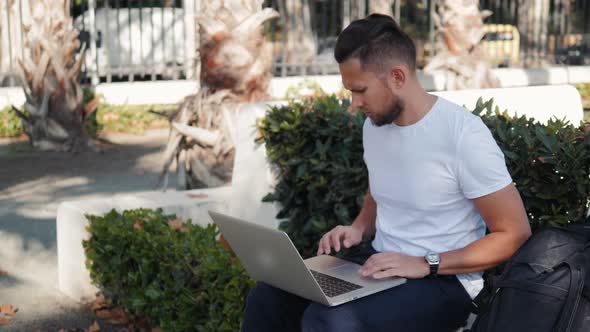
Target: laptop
x,y
269,256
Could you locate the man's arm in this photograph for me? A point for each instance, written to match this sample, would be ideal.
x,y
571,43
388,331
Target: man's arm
x,y
505,216
348,236
365,221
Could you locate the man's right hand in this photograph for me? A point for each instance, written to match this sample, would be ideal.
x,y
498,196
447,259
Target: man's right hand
x,y
345,236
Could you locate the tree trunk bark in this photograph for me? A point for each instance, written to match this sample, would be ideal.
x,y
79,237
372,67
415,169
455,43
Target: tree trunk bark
x,y
381,7
301,44
54,112
235,68
460,29
353,10
11,36
532,26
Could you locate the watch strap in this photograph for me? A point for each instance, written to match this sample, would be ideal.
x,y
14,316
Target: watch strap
x,y
433,269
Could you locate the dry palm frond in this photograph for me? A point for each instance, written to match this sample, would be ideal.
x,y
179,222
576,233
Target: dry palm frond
x,y
460,28
235,68
54,107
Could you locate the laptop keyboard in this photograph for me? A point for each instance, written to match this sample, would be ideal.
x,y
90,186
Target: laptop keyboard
x,y
333,286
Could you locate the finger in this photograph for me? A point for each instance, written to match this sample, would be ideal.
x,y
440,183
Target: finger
x,y
375,263
326,244
341,234
367,268
385,274
321,245
347,240
335,239
374,269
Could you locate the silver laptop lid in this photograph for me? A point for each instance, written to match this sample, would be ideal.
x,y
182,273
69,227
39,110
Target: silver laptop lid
x,y
269,256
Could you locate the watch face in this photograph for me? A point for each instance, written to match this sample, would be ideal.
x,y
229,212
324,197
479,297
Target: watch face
x,y
432,258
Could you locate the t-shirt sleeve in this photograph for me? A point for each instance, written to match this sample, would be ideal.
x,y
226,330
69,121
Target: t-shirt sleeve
x,y
481,166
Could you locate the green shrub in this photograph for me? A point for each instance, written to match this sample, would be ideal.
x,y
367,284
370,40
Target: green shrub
x,y
550,164
10,124
584,90
131,119
177,275
317,150
304,88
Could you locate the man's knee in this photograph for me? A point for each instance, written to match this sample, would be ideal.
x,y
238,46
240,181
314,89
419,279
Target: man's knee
x,y
319,318
271,309
262,295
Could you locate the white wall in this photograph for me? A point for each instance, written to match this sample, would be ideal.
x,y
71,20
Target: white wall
x,y
170,92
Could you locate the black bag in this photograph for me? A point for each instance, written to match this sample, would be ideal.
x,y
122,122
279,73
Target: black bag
x,y
544,287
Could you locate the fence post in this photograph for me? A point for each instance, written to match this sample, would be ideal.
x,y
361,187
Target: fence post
x,y
92,40
345,13
11,66
431,30
189,40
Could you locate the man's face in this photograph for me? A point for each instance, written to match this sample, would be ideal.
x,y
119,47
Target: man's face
x,y
370,93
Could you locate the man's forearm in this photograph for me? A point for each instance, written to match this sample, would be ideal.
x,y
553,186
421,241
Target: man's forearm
x,y
365,221
483,254
507,221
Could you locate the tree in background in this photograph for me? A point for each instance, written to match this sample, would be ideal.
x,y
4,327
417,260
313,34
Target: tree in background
x,y
301,45
11,42
532,26
460,29
235,68
381,7
54,110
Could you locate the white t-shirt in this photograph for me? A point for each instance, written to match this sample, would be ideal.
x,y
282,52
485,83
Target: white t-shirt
x,y
423,177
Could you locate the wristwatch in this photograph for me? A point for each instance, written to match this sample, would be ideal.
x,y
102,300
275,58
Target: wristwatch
x,y
433,260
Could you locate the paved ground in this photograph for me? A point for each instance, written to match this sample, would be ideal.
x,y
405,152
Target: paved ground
x,y
32,184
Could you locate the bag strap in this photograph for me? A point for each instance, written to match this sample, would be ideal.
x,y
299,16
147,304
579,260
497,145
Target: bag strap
x,y
558,293
573,298
483,300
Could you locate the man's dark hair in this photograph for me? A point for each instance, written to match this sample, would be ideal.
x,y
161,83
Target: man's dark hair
x,y
375,41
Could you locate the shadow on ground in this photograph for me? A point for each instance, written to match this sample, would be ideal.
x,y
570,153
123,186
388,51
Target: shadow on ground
x,y
32,185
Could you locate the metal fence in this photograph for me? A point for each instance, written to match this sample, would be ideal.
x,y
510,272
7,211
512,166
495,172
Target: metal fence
x,y
136,39
155,39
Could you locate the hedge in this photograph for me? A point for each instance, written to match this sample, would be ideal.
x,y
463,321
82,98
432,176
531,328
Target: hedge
x,y
316,148
174,273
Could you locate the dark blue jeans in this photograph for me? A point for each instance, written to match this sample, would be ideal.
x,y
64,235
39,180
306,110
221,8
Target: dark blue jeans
x,y
429,305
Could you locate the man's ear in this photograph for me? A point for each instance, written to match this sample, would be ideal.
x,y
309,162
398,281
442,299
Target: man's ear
x,y
397,77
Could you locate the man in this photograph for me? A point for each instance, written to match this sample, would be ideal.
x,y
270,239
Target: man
x,y
436,179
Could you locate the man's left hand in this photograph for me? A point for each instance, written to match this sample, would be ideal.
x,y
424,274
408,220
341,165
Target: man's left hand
x,y
394,264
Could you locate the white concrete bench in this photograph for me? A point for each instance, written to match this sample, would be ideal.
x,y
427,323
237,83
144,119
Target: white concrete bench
x,y
541,102
252,179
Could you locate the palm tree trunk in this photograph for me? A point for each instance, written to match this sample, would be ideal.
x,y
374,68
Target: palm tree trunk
x,y
54,112
381,7
353,10
301,44
460,29
11,38
532,26
235,68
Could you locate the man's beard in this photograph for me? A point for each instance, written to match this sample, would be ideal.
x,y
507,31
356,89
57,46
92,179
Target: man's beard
x,y
393,112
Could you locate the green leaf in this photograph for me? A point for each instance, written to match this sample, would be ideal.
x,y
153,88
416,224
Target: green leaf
x,y
323,178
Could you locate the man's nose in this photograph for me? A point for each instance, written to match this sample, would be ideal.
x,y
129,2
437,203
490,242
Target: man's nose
x,y
357,102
